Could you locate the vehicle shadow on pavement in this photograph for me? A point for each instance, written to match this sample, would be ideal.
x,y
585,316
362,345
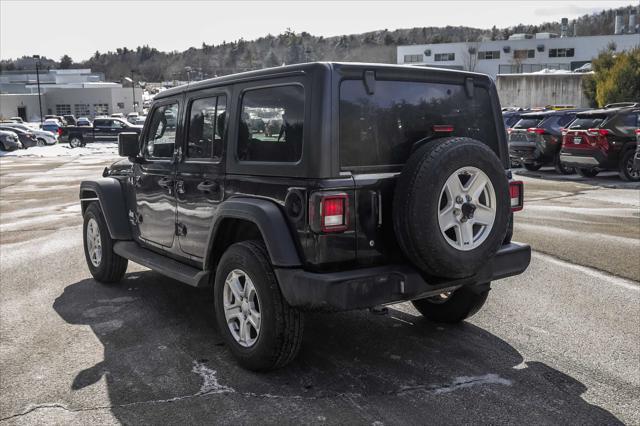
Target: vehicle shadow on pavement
x,y
164,362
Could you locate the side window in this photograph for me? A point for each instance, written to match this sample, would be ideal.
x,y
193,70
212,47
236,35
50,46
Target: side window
x,y
564,120
101,123
161,138
207,120
117,124
628,123
271,125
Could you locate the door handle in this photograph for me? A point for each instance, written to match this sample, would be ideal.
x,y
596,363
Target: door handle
x,y
207,186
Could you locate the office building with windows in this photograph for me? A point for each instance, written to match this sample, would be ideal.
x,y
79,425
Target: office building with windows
x,y
74,91
522,53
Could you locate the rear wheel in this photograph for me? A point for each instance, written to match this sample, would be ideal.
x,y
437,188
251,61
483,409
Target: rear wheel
x,y
561,168
592,172
627,172
41,142
260,328
452,307
104,264
75,142
532,167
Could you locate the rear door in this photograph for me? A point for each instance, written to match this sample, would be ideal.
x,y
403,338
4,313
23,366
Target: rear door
x,y
200,174
154,179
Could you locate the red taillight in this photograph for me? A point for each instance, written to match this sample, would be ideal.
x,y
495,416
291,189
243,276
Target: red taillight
x,y
535,130
334,213
59,131
516,194
597,132
442,128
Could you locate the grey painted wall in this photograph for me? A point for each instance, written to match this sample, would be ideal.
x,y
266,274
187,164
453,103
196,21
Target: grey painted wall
x,y
537,90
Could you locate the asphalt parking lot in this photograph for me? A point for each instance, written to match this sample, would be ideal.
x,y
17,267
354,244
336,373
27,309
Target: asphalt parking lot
x,y
556,345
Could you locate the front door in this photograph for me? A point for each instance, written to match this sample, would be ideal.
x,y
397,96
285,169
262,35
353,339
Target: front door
x,y
102,129
154,178
199,180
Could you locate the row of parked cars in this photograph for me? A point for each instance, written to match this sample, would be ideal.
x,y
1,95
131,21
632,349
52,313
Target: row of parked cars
x,y
16,134
583,141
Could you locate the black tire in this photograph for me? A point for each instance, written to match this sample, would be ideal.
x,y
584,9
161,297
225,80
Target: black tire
x,y
593,172
416,206
532,167
561,168
626,170
41,142
75,142
281,326
111,267
2,147
462,304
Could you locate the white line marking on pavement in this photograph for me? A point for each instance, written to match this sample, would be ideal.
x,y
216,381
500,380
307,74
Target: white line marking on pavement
x,y
611,279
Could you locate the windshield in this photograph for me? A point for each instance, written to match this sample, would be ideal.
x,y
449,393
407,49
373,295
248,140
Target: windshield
x,y
380,129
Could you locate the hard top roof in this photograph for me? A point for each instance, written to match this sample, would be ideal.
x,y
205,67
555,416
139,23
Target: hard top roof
x,y
300,69
608,111
544,114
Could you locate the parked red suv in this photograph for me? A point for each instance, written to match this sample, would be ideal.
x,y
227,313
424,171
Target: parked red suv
x,y
602,139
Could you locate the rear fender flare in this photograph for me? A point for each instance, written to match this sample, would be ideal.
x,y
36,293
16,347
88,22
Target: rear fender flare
x,y
270,222
108,192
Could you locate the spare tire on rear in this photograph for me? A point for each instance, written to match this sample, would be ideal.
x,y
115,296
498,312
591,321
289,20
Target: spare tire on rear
x,y
451,207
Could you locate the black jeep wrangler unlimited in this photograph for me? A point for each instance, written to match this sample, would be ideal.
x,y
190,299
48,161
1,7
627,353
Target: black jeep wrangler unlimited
x,y
382,184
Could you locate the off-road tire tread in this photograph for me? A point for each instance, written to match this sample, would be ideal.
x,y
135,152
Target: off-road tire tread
x,y
464,303
113,266
289,321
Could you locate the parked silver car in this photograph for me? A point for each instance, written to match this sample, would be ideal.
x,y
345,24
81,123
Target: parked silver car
x,y
9,141
44,137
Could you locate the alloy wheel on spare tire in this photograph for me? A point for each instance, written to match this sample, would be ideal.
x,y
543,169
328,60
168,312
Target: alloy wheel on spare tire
x,y
451,207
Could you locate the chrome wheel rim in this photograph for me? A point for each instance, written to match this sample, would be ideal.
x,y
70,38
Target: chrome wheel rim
x,y
94,243
467,208
242,309
75,142
41,142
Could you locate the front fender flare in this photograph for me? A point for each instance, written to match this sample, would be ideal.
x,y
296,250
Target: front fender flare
x,y
270,222
109,194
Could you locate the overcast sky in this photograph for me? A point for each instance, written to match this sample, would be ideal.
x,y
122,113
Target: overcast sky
x,y
79,28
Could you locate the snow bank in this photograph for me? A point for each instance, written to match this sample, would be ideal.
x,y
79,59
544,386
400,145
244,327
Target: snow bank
x,y
63,150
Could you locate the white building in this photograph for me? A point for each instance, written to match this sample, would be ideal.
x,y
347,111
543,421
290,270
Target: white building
x,y
76,92
520,54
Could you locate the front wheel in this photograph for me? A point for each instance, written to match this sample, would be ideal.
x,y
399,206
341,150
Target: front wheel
x,y
452,307
75,142
593,172
532,167
627,172
104,264
260,328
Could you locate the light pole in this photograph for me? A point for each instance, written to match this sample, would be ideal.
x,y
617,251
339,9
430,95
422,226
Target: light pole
x,y
37,58
188,70
133,90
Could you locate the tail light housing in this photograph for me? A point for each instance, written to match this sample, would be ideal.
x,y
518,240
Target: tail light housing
x,y
600,138
329,212
536,130
442,128
516,195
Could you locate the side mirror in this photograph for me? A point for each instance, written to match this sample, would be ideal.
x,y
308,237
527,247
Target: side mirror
x,y
128,144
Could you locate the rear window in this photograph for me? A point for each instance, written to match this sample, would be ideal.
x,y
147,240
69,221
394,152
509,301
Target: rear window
x,y
525,123
510,121
381,129
556,122
587,122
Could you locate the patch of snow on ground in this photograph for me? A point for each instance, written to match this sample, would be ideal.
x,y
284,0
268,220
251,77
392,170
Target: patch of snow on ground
x,y
64,150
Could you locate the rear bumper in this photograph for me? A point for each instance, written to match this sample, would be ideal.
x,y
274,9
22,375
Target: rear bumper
x,y
364,288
